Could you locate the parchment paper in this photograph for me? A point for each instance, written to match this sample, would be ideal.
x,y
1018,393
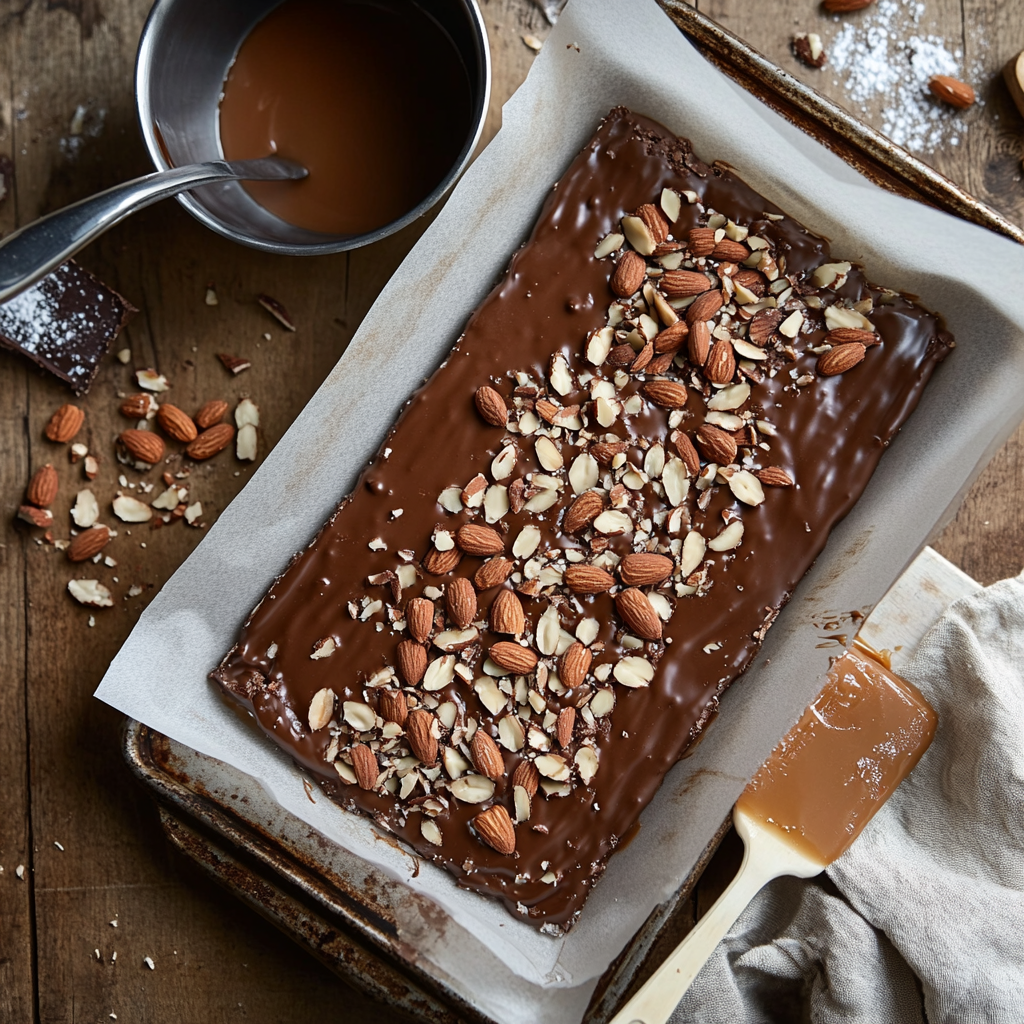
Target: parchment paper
x,y
602,53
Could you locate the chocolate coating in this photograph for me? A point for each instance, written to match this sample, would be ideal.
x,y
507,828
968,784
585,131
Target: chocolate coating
x,y
831,433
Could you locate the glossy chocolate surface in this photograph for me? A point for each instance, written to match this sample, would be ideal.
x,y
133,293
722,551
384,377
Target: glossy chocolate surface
x,y
830,432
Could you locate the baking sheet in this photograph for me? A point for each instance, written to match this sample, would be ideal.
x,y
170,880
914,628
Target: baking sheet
x,y
603,52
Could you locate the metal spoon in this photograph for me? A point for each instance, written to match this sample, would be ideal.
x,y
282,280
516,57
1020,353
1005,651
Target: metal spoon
x,y
31,252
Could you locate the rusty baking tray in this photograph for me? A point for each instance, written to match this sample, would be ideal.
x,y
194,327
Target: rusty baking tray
x,y
325,898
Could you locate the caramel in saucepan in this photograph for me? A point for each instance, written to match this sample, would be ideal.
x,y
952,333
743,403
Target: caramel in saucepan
x,y
372,98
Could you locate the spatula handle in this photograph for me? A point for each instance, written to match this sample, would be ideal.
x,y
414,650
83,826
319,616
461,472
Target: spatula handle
x,y
766,856
661,993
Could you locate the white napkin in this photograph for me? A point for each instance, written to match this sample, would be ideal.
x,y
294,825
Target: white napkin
x,y
934,886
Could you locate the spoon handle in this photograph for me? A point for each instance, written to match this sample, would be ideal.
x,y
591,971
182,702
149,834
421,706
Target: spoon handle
x,y
31,252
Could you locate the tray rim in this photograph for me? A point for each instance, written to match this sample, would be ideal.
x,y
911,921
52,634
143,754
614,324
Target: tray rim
x,y
877,158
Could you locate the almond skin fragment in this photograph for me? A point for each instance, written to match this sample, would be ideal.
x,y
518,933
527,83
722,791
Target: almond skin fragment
x,y
495,828
512,656
460,599
364,763
644,569
419,617
176,423
491,406
211,441
840,359
42,488
486,756
65,423
211,413
588,579
638,614
479,540
629,275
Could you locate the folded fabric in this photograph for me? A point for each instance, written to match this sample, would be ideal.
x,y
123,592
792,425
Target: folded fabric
x,y
923,917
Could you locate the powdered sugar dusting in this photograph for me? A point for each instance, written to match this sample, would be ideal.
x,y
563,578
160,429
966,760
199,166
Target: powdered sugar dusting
x,y
884,56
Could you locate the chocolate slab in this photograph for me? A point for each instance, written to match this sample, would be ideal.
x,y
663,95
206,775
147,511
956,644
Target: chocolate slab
x,y
66,323
318,663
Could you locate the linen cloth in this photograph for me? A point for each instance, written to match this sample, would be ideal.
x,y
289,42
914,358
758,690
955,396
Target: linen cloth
x,y
922,919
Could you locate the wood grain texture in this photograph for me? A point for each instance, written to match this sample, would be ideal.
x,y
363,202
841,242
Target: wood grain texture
x,y
59,753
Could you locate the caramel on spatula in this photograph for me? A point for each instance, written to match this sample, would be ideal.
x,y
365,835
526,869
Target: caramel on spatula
x,y
809,801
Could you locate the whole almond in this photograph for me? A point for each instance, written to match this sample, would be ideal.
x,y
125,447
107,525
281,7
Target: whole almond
x,y
393,706
527,776
588,579
644,569
681,284
605,451
655,221
137,407
42,488
583,511
684,446
704,307
763,325
495,828
476,539
507,614
564,726
638,614
672,338
143,445
176,423
721,365
843,6
514,657
669,394
493,573
701,241
698,345
486,756
732,252
491,406
718,445
419,732
88,543
841,358
419,617
574,665
212,412
211,441
460,599
774,476
439,563
629,275
65,423
364,763
411,661
844,335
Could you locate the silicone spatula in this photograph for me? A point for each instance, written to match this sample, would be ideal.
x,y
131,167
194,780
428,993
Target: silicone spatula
x,y
825,780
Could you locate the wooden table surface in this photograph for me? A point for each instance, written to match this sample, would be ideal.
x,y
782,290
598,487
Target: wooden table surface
x,y
63,781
